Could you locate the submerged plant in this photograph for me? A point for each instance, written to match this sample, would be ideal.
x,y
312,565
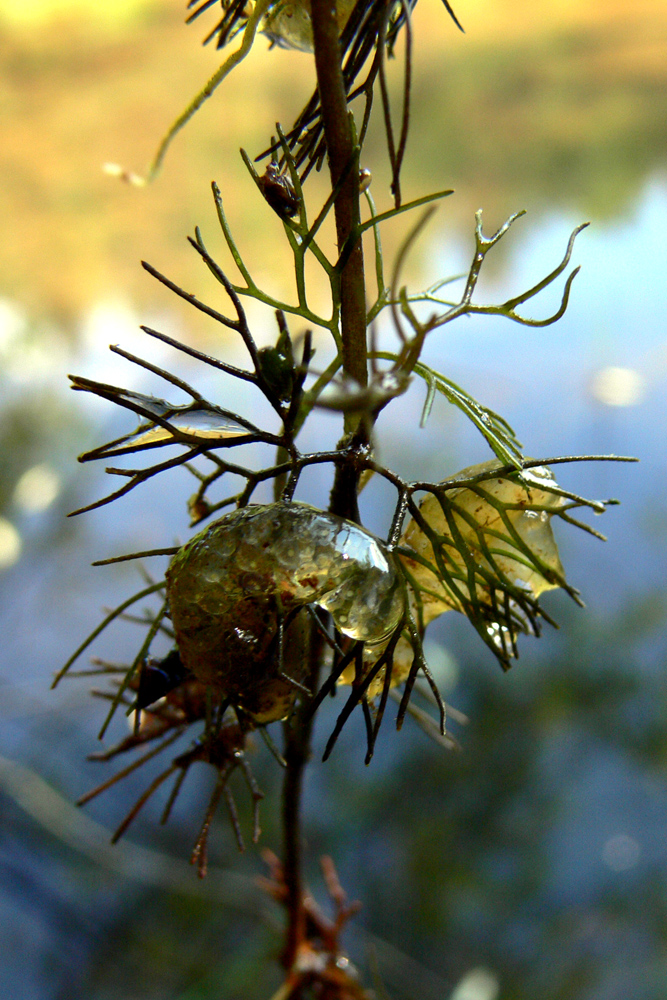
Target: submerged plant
x,y
271,607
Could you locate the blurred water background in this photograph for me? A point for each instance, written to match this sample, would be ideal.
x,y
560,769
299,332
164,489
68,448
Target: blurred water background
x,y
531,865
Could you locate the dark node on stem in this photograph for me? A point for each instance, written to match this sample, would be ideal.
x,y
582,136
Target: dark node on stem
x,y
276,364
279,192
158,677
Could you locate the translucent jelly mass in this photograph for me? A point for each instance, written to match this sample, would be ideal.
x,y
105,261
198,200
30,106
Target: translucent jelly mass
x,y
289,23
230,586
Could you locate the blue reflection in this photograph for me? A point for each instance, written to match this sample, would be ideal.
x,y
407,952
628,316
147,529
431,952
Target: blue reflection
x,y
550,828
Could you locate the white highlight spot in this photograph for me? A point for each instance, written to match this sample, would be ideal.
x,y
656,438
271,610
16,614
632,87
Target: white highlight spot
x,y
620,853
37,488
10,544
618,386
478,984
13,323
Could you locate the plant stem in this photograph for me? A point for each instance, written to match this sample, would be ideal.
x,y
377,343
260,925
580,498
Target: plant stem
x,y
298,730
343,160
343,157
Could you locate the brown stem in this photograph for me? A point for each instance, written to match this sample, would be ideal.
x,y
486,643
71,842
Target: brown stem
x,y
298,730
343,163
342,155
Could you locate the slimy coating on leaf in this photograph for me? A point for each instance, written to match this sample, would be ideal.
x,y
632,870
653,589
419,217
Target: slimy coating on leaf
x,y
494,547
234,584
289,25
235,590
482,546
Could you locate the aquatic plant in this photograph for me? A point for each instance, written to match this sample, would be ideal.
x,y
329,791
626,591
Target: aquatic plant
x,y
272,607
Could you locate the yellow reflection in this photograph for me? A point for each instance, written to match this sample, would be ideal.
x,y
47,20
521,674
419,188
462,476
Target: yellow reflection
x,y
557,101
10,544
39,11
13,322
37,488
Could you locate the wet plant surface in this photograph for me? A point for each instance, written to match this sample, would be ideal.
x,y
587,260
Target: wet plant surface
x,y
517,875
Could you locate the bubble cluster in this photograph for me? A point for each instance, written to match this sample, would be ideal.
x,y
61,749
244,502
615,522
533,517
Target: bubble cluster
x,y
233,584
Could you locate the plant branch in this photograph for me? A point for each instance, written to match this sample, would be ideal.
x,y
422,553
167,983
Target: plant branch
x,y
297,752
343,157
344,171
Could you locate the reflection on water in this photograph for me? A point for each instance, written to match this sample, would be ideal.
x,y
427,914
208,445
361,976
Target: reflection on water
x,y
614,386
10,544
36,489
536,105
544,838
532,864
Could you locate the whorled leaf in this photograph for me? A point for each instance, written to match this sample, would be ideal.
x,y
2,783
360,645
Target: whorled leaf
x,y
165,423
496,431
480,543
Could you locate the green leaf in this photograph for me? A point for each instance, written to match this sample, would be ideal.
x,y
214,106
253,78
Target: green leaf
x,y
496,431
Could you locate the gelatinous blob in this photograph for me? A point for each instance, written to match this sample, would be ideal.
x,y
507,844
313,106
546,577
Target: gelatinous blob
x,y
231,586
494,537
480,550
497,539
289,26
198,419
202,423
289,23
